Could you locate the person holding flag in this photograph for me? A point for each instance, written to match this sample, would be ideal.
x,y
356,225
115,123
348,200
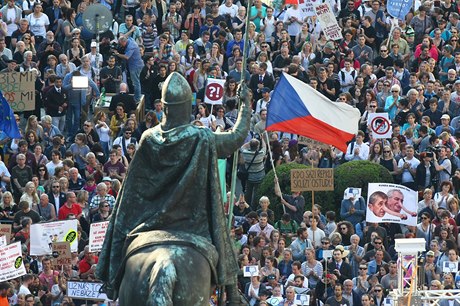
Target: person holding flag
x,y
8,125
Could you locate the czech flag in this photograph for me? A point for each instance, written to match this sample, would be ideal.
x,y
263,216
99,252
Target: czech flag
x,y
297,108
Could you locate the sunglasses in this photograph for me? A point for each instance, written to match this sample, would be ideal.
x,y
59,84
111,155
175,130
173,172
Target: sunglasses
x,y
373,106
386,151
128,133
41,169
377,290
386,85
395,91
377,243
383,50
362,268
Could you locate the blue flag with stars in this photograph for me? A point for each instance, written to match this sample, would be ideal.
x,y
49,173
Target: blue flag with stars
x,y
7,122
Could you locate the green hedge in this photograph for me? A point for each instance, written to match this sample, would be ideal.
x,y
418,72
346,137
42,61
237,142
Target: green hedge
x,y
352,174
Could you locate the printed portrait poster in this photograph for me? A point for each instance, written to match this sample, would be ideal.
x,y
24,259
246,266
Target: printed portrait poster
x,y
42,236
391,203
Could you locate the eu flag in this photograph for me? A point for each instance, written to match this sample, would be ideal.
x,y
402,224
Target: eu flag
x,y
7,122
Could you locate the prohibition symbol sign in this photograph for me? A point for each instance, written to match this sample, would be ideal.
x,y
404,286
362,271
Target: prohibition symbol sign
x,y
380,125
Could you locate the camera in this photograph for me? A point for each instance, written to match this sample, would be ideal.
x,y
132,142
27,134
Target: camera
x,y
433,150
115,46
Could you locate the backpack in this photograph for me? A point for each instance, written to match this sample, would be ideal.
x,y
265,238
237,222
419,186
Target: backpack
x,y
342,75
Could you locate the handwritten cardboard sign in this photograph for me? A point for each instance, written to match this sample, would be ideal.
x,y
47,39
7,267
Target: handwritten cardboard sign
x,y
18,88
61,253
312,179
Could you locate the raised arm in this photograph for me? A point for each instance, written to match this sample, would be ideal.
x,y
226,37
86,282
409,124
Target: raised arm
x,y
229,142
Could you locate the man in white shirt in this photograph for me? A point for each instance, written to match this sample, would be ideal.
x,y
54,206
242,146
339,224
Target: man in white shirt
x,y
228,8
357,150
293,19
408,166
315,233
262,228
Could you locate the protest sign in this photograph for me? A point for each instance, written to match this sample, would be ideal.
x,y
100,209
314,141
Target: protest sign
x,y
251,271
399,8
391,203
327,20
42,236
380,125
352,192
61,253
85,290
18,88
11,262
307,8
214,92
96,235
311,143
312,179
5,230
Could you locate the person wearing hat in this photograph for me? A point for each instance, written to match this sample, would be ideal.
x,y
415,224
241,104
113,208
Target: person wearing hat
x,y
445,120
12,66
431,271
338,266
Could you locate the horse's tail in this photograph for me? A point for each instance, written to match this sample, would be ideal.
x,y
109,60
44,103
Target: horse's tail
x,y
162,281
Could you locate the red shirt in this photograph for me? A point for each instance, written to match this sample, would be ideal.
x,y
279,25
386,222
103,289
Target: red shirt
x,y
84,266
64,211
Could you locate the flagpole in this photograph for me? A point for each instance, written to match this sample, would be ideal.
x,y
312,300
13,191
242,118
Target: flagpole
x,y
235,155
274,170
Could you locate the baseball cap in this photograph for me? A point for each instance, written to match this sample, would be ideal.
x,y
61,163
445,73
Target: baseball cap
x,y
93,44
445,116
430,253
265,89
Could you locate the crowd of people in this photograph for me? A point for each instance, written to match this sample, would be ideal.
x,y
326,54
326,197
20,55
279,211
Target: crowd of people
x,y
70,160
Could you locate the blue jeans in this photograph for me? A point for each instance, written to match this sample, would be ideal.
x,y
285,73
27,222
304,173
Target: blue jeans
x,y
73,119
135,74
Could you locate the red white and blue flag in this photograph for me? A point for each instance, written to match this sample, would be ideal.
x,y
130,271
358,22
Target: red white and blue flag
x,y
297,108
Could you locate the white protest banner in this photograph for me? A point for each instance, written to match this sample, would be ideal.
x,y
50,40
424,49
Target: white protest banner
x,y
380,125
85,290
96,235
214,93
42,236
306,6
11,263
327,20
18,88
391,203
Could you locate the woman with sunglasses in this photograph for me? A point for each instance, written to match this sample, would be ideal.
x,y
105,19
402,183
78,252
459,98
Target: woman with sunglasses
x,y
44,178
425,229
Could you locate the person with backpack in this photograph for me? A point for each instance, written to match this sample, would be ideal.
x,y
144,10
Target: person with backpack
x,y
347,75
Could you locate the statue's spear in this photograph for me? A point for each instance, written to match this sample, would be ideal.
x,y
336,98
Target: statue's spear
x,y
242,79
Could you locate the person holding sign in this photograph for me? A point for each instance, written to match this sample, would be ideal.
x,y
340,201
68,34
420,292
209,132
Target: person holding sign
x,y
295,203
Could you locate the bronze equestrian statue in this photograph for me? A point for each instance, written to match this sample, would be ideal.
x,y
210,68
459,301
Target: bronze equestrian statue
x,y
167,242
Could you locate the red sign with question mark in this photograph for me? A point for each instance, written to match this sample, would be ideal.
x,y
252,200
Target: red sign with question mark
x,y
214,91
